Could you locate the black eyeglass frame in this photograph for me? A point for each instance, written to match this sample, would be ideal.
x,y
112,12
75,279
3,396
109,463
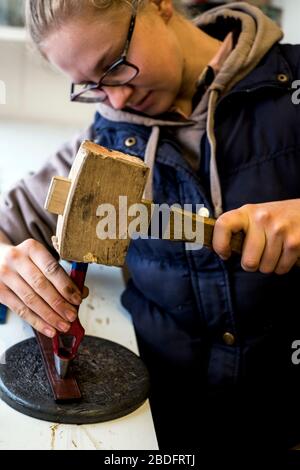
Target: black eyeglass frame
x,y
121,61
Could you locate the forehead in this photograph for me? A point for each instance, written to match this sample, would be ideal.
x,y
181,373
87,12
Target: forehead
x,y
78,45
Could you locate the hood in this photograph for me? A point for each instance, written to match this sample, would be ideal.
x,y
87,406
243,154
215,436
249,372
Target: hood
x,y
257,33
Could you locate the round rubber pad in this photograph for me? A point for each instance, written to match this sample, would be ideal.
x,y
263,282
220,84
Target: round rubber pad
x,y
113,382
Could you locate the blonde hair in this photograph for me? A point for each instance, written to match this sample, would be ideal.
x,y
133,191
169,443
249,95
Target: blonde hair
x,y
45,16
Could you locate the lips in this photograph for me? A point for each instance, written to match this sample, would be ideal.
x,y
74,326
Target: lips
x,y
141,105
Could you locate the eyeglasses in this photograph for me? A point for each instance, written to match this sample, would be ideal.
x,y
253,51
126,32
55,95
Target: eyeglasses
x,y
119,73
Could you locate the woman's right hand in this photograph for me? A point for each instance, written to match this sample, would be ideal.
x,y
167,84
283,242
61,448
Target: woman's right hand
x,y
37,288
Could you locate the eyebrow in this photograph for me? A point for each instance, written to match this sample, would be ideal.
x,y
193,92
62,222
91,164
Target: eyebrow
x,y
100,63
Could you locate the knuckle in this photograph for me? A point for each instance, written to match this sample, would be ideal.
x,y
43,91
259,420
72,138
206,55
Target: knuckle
x,y
262,216
247,208
9,257
48,317
23,312
221,222
44,315
4,294
13,254
52,319
52,267
292,245
36,324
29,298
39,282
278,229
29,244
4,271
57,302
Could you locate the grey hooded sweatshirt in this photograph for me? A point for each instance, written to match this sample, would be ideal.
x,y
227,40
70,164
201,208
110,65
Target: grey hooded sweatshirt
x,y
22,215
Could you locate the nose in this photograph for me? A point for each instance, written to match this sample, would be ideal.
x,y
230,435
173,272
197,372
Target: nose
x,y
118,95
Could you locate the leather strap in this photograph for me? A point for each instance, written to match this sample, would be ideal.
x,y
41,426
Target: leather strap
x,y
63,389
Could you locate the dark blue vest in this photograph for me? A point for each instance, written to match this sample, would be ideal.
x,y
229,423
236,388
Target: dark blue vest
x,y
183,302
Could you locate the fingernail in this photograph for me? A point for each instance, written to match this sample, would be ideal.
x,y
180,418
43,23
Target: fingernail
x,y
71,316
76,299
63,326
49,333
224,257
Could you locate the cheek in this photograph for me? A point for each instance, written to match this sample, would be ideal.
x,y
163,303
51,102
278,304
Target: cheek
x,y
161,64
162,73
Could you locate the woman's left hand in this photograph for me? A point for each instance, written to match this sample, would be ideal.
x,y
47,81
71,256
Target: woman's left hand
x,y
272,235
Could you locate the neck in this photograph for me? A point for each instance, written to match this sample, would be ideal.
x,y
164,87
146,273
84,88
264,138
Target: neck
x,y
198,48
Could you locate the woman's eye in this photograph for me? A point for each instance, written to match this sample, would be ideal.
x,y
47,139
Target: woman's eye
x,y
85,84
106,67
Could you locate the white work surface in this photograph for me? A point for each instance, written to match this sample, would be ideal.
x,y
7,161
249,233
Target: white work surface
x,y
101,314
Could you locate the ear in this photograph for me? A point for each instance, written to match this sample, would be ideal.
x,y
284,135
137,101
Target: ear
x,y
165,9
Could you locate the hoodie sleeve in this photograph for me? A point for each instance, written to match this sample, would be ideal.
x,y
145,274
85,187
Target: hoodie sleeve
x,y
22,213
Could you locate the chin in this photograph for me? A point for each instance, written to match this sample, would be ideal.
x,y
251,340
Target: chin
x,y
159,107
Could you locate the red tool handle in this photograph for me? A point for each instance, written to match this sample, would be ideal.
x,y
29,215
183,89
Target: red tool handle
x,y
65,345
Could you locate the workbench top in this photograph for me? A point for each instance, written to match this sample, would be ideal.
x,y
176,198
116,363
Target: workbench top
x,y
101,314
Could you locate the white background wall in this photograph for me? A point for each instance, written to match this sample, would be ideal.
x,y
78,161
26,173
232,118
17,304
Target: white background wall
x,y
34,89
37,117
291,19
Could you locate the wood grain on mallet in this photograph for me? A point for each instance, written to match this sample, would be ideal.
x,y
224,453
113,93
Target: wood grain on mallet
x,y
57,195
98,176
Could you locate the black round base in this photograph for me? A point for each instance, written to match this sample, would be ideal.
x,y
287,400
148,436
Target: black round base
x,y
113,382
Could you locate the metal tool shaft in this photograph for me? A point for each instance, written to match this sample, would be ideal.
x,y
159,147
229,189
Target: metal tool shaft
x,y
65,345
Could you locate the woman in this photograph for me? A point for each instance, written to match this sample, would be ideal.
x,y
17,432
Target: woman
x,y
208,106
